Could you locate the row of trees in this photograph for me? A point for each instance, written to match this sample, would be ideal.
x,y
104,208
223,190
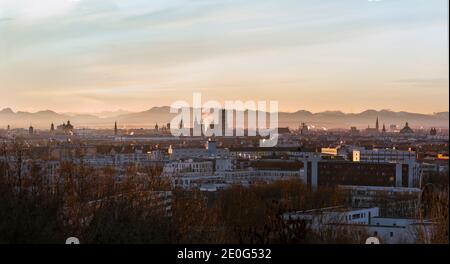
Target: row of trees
x,y
98,207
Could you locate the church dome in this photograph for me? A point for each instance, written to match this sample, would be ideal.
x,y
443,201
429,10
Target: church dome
x,y
406,129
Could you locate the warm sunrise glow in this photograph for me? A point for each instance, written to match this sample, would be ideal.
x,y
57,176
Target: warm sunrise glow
x,y
84,56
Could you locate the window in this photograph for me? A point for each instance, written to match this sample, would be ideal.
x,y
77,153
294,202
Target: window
x,y
356,216
392,234
375,233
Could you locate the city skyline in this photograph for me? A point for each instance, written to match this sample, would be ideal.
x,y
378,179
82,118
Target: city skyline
x,y
121,111
161,115
69,56
224,122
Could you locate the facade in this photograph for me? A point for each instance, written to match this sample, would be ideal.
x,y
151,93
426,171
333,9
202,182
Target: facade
x,y
216,173
249,177
137,157
188,167
223,164
364,221
334,215
186,153
260,152
400,230
383,155
70,152
334,152
330,151
392,201
336,172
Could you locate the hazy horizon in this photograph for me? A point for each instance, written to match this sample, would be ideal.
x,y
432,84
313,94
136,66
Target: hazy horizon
x,y
156,115
161,106
104,55
136,110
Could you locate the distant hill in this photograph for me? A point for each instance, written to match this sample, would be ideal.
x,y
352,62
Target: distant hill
x,y
162,115
335,119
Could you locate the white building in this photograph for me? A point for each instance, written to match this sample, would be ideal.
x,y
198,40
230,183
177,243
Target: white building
x,y
136,157
255,153
223,164
185,153
391,200
189,167
367,222
400,230
218,173
248,177
334,215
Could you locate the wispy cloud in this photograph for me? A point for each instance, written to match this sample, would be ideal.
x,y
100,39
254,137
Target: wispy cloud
x,y
91,47
424,82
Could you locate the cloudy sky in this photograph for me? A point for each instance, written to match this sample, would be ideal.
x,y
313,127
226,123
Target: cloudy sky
x,y
352,55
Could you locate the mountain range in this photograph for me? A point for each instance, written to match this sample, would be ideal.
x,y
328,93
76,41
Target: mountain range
x,y
162,115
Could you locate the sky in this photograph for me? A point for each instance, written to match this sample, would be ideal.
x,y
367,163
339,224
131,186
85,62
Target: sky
x,y
317,55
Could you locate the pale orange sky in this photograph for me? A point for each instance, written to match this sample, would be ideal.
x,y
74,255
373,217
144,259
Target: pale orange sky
x,y
91,56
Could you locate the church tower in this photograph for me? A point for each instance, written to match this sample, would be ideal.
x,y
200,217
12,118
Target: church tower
x,y
377,125
115,128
